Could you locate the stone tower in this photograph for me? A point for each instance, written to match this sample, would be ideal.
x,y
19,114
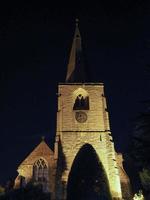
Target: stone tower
x,y
83,122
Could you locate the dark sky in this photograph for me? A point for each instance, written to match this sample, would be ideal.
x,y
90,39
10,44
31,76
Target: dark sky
x,y
35,41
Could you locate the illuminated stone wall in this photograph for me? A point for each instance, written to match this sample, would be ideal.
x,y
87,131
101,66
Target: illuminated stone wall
x,y
95,131
125,181
25,169
71,136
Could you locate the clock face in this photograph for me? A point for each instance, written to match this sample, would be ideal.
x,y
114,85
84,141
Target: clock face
x,y
81,116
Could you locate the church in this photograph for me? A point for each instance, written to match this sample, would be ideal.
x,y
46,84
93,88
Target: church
x,y
84,163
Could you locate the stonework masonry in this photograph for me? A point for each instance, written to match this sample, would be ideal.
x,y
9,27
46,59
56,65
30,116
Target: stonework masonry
x,y
71,136
25,169
95,131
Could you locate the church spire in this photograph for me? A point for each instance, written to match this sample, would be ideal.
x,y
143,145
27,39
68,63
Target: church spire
x,y
75,68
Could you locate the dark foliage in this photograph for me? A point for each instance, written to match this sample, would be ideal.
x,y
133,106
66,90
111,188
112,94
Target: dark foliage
x,y
141,148
141,140
87,178
30,192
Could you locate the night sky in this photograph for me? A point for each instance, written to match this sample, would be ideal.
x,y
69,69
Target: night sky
x,y
35,41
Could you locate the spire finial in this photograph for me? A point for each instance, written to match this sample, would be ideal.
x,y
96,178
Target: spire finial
x,y
77,21
43,138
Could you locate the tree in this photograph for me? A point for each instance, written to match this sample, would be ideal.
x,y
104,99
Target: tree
x,y
145,179
141,140
141,148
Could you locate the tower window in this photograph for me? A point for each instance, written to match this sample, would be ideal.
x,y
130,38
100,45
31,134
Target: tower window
x,y
81,103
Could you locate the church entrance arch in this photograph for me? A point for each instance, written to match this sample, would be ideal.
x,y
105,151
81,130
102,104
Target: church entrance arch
x,y
87,178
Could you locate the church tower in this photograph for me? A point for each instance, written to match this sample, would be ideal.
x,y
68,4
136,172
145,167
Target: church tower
x,y
84,164
83,134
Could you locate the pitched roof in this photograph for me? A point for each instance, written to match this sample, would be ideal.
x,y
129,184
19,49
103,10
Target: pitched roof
x,y
41,150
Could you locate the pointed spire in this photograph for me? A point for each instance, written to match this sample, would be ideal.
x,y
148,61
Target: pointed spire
x,y
75,69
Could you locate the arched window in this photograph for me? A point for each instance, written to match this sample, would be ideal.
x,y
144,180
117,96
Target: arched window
x,y
81,103
40,173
